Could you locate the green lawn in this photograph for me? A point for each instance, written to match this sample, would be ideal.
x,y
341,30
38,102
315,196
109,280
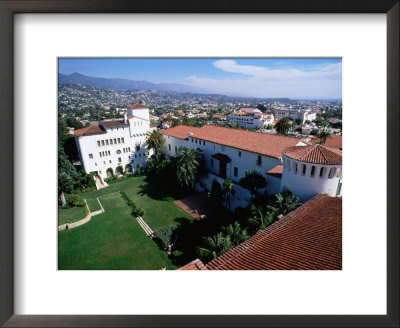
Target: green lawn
x,y
155,199
114,240
70,214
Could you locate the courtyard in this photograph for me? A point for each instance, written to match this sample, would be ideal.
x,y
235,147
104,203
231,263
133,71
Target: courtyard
x,y
114,239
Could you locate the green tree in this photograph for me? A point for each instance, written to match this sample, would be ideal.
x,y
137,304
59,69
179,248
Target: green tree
x,y
155,141
235,233
253,181
285,203
283,126
188,165
298,121
67,174
74,123
62,127
228,191
323,136
164,235
214,246
260,218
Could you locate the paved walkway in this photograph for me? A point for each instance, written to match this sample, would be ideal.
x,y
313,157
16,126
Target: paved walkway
x,y
99,184
197,205
82,221
144,226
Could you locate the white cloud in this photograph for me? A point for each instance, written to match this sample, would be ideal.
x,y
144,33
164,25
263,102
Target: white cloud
x,y
321,81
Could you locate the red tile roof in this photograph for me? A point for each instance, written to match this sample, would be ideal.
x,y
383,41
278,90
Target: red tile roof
x,y
334,141
114,123
309,238
276,171
316,154
260,143
247,110
137,106
194,265
90,130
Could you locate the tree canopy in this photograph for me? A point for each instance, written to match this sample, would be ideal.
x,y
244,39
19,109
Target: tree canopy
x,y
155,141
283,126
253,181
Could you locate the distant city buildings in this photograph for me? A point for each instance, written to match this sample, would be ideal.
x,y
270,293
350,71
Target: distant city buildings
x,y
302,114
251,118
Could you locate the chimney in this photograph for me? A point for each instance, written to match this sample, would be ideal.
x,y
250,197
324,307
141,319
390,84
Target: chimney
x,y
125,118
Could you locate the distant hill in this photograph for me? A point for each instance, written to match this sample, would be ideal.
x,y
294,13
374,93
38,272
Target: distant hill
x,y
125,84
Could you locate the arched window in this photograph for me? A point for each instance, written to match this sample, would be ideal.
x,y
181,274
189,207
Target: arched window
x,y
322,172
288,164
303,169
339,174
312,171
332,172
294,167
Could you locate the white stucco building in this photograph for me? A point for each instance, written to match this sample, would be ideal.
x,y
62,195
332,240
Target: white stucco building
x,y
229,153
250,118
302,114
113,143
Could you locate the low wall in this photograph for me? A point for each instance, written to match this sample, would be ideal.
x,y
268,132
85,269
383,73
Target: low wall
x,y
82,221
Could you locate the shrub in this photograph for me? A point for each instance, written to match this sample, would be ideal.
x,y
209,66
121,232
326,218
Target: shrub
x,y
81,203
86,211
164,235
136,211
66,206
74,200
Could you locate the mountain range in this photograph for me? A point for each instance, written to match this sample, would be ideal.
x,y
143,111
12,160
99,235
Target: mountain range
x,y
125,84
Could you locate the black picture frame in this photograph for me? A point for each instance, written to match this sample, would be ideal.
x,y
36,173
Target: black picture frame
x,y
7,10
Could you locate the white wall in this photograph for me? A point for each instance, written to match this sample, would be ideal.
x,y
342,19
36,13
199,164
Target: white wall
x,y
304,185
133,135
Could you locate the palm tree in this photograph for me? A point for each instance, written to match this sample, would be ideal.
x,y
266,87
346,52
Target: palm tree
x,y
286,202
323,135
260,219
253,181
155,141
188,164
228,191
235,233
65,184
214,246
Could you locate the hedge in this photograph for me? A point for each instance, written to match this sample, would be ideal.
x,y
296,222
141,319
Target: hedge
x,y
136,211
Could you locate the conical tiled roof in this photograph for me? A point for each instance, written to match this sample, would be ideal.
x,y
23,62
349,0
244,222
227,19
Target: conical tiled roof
x,y
316,154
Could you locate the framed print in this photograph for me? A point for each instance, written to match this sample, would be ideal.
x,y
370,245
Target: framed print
x,y
86,271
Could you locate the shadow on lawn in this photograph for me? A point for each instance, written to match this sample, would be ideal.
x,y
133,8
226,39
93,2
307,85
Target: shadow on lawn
x,y
160,191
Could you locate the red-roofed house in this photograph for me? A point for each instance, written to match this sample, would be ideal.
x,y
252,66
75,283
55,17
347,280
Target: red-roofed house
x,y
116,142
229,153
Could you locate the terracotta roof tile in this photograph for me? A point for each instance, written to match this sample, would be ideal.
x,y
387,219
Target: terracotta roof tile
x,y
114,123
137,106
316,154
276,171
309,238
90,130
260,143
194,265
334,141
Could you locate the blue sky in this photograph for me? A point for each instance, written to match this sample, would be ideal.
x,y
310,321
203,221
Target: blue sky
x,y
301,78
